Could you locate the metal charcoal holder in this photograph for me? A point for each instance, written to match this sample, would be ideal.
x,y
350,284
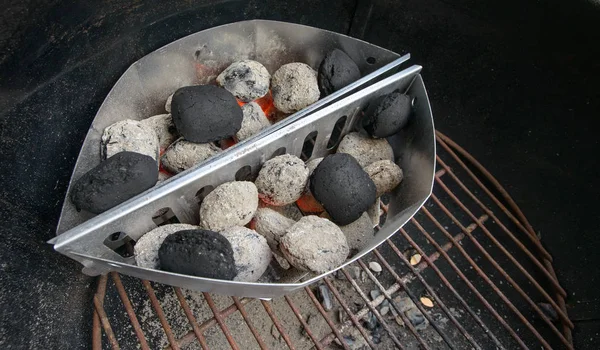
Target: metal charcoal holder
x,y
138,94
414,149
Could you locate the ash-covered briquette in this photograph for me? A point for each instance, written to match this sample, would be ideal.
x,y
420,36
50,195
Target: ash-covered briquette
x,y
387,114
271,225
168,103
336,71
205,113
365,149
230,204
342,187
314,244
358,233
254,121
164,128
385,174
183,155
146,248
114,181
247,80
129,135
251,253
294,86
201,253
282,180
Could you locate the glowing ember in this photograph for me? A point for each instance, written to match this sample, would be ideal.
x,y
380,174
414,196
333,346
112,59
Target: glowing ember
x,y
309,205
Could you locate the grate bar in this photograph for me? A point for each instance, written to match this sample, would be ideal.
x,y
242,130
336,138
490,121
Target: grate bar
x,y
105,323
96,324
444,141
433,295
521,222
562,315
161,315
326,317
504,274
353,318
271,313
191,318
396,286
407,322
246,318
482,274
129,310
372,308
189,336
305,326
464,278
551,279
220,321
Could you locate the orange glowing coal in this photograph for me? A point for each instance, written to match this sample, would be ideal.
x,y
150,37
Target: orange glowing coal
x,y
265,103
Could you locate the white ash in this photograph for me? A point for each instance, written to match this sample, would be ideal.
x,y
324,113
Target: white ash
x,y
247,80
290,211
168,103
374,212
230,204
271,225
282,180
164,128
312,164
254,121
182,155
294,86
314,244
365,149
251,252
146,248
129,135
358,233
385,174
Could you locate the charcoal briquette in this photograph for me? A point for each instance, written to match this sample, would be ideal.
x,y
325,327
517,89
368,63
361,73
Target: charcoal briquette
x,y
115,180
387,115
336,71
201,253
343,188
247,80
205,113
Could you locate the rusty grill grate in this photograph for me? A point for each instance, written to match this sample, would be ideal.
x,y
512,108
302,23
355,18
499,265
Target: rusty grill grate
x,y
482,265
